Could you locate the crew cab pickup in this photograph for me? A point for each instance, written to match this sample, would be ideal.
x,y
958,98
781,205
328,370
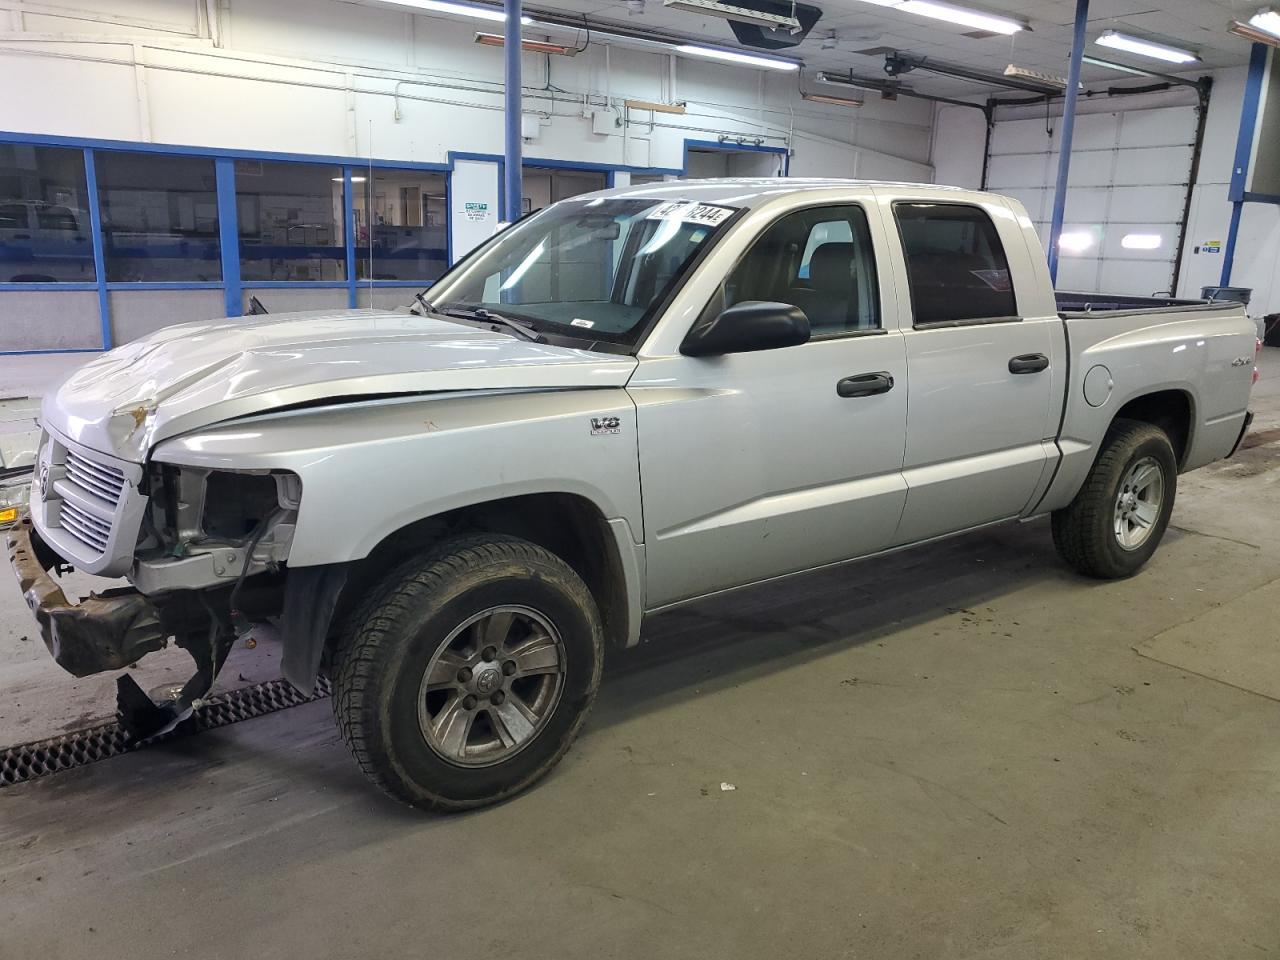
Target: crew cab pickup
x,y
628,401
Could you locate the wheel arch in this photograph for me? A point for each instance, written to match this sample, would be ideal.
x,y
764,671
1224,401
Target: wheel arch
x,y
600,550
1171,409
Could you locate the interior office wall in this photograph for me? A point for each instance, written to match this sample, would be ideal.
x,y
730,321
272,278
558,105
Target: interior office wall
x,y
325,77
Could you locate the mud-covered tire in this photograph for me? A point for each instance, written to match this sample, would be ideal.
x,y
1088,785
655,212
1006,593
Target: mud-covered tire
x,y
1087,533
404,628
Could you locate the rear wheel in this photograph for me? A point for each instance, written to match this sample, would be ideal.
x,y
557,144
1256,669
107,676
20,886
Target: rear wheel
x,y
1116,521
465,678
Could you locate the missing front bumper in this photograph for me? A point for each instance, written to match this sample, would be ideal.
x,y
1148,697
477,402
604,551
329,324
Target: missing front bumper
x,y
106,631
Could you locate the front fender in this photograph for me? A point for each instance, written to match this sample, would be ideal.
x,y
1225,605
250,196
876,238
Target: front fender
x,y
372,468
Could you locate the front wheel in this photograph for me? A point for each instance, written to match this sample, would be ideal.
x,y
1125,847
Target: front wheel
x,y
1115,522
465,678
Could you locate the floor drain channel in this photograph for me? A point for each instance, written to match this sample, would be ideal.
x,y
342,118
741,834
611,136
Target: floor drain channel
x,y
28,761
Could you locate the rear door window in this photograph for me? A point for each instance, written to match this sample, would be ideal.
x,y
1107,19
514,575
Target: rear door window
x,y
956,266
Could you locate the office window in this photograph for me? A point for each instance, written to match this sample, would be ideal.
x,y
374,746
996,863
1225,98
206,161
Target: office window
x,y
956,267
159,217
819,260
401,224
44,216
290,221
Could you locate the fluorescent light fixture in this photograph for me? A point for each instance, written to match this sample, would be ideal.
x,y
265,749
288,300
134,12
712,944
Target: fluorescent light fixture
x,y
824,98
964,16
1141,241
730,56
678,108
1267,20
1259,34
1039,76
533,46
353,179
1118,67
1145,48
730,11
1075,241
496,14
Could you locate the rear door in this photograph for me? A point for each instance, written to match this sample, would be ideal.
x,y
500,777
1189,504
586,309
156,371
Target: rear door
x,y
982,412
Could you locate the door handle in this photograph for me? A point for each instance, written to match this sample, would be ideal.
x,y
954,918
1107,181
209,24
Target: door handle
x,y
1029,363
864,385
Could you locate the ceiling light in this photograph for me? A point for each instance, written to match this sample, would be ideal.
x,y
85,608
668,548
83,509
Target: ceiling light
x,y
476,12
1077,241
1119,67
533,46
746,59
1255,34
1145,48
824,98
1026,73
353,179
1141,241
1267,20
677,108
729,11
961,15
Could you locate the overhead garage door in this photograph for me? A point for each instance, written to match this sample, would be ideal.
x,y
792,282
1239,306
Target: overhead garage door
x,y
1129,174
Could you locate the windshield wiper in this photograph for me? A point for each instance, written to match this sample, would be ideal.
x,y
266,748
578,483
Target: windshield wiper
x,y
495,321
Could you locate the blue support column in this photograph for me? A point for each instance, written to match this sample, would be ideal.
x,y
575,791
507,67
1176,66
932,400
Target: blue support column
x,y
229,235
349,234
1229,254
513,192
1064,140
99,260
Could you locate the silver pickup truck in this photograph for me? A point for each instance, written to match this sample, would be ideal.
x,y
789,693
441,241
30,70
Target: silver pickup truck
x,y
627,401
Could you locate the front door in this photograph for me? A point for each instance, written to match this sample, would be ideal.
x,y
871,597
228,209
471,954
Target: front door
x,y
755,465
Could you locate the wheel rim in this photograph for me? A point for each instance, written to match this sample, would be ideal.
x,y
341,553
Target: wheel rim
x,y
491,686
1138,503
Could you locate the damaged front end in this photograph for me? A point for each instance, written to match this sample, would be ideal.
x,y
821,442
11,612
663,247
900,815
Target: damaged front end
x,y
204,550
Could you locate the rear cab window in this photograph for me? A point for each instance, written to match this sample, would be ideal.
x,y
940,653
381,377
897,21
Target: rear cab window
x,y
957,271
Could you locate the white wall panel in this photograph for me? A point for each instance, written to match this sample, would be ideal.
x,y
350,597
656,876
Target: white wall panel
x,y
46,320
135,313
69,97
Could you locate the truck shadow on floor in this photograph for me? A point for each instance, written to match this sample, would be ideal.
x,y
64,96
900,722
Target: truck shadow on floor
x,y
726,640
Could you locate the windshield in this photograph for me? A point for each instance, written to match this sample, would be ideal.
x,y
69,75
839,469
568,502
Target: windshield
x,y
593,268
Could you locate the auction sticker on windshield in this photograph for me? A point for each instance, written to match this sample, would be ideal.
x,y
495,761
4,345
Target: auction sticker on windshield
x,y
686,212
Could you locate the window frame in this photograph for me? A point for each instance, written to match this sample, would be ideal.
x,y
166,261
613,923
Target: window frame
x,y
256,198
716,305
906,267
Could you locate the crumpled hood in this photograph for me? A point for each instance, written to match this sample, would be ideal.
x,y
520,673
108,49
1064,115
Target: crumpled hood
x,y
184,377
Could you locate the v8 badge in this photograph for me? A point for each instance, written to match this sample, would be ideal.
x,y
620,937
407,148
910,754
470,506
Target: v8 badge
x,y
600,426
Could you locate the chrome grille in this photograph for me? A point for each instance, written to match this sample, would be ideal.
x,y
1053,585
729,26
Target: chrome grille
x,y
84,526
102,481
86,506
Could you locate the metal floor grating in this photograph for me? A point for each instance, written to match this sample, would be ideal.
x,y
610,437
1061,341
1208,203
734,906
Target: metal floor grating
x,y
27,761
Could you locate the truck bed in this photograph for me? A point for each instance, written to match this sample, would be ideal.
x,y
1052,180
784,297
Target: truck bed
x,y
1096,302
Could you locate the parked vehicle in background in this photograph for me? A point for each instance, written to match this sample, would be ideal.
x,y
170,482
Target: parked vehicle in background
x,y
629,401
41,241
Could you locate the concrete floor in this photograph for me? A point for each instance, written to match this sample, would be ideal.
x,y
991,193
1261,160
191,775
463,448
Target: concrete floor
x,y
963,751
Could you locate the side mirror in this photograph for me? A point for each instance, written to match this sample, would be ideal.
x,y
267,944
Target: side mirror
x,y
746,327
